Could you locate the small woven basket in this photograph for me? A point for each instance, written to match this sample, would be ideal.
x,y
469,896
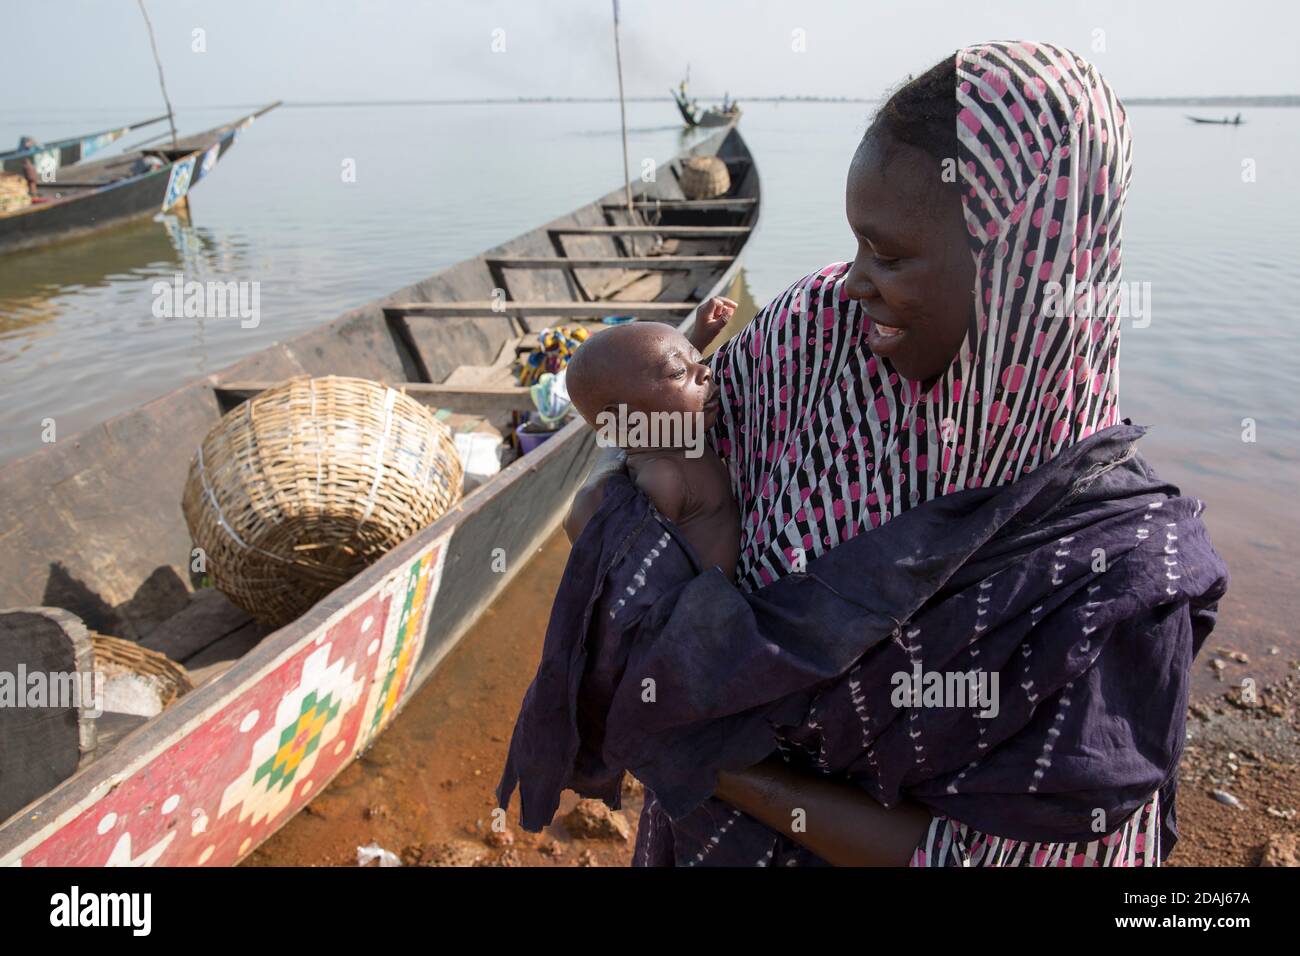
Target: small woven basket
x,y
704,177
308,483
115,656
13,192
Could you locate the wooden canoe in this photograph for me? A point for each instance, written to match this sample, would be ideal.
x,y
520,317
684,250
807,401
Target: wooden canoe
x,y
67,152
89,196
93,526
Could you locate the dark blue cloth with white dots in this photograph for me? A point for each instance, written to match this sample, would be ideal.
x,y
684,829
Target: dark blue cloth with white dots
x,y
1017,658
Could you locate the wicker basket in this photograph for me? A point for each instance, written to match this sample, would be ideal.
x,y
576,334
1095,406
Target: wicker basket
x,y
308,483
13,192
117,658
705,177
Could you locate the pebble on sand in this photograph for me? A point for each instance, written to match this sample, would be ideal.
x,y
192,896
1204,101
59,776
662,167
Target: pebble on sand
x,y
1226,798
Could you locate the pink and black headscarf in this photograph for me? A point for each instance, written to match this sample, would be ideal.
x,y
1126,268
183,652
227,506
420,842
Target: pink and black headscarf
x,y
825,441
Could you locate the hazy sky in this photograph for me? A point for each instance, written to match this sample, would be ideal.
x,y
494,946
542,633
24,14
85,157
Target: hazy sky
x,y
95,53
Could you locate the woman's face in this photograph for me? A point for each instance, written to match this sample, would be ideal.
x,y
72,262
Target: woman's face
x,y
913,273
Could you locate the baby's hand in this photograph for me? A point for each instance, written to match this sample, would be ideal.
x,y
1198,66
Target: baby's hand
x,y
710,318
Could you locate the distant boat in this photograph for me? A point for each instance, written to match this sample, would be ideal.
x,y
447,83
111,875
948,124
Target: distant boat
x,y
66,152
692,115
90,196
1237,121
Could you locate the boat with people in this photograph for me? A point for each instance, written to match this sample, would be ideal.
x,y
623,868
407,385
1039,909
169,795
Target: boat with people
x,y
68,199
46,157
95,539
693,115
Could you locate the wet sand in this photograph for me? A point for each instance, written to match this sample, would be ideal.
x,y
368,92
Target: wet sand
x,y
425,789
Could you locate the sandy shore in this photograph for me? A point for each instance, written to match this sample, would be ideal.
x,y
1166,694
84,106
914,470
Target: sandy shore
x,y
424,791
1240,786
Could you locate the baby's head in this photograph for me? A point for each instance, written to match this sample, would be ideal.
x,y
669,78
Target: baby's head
x,y
645,367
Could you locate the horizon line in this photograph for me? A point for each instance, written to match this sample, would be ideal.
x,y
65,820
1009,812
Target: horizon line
x,y
1207,100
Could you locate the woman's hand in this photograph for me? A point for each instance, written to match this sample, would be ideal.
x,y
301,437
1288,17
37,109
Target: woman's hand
x,y
587,500
838,821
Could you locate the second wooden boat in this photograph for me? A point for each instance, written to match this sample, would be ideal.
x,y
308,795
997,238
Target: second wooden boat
x,y
78,200
49,157
94,527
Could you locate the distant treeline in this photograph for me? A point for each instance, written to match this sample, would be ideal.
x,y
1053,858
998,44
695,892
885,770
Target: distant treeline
x,y
1211,100
578,99
1129,100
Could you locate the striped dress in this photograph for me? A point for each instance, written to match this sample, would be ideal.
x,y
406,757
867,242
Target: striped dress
x,y
950,843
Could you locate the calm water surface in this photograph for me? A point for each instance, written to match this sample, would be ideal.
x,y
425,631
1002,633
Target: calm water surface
x,y
435,184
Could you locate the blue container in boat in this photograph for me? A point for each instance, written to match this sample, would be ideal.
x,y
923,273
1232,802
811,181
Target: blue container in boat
x,y
530,440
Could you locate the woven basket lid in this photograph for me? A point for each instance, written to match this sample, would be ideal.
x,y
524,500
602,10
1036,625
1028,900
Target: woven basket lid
x,y
308,483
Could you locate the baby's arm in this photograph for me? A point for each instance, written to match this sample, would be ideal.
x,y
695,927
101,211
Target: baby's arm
x,y
710,318
845,825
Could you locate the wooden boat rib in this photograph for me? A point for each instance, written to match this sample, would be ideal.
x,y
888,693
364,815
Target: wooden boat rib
x,y
94,526
70,151
94,195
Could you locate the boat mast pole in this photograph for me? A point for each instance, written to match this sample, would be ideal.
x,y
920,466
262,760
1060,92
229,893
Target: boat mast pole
x,y
154,46
622,112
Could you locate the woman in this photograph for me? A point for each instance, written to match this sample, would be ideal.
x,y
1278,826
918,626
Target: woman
x,y
971,344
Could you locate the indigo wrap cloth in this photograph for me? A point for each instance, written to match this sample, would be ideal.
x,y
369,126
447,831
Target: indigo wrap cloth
x,y
1085,589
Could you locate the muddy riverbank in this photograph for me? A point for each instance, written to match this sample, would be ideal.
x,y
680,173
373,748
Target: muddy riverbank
x,y
425,790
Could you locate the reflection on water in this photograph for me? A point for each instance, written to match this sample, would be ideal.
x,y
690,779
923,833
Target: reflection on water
x,y
33,283
46,281
77,330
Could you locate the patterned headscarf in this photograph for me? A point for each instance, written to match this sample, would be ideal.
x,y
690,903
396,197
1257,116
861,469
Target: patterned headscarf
x,y
825,441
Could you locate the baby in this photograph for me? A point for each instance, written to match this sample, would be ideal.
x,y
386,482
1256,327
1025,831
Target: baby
x,y
644,387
